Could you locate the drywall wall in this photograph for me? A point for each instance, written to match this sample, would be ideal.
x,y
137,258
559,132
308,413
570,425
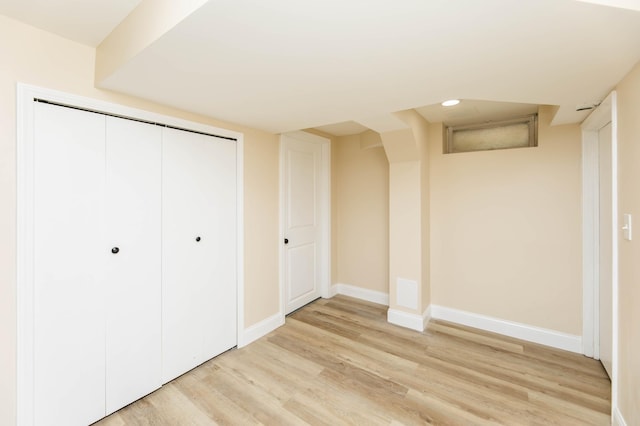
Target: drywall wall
x,y
629,251
361,217
405,222
36,57
261,225
420,129
506,230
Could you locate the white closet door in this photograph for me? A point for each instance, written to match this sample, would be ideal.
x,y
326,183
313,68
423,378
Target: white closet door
x,y
199,249
69,347
133,208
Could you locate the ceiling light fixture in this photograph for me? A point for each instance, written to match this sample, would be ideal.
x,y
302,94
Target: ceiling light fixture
x,y
450,102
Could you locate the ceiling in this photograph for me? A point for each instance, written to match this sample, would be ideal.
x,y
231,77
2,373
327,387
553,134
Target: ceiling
x,y
85,21
342,129
476,112
285,65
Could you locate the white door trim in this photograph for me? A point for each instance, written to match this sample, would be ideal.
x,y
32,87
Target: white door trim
x,y
325,212
25,191
590,244
605,113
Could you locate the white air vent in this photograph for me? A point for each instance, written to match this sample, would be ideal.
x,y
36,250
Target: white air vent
x,y
407,293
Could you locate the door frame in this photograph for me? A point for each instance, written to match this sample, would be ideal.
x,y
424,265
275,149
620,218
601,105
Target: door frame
x,y
605,113
325,213
25,208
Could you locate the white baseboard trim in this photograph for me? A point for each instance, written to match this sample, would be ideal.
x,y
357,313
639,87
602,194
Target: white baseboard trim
x,y
360,293
618,419
543,336
333,290
408,320
260,329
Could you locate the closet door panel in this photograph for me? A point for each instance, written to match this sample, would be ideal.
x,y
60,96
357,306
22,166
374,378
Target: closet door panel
x,y
221,248
69,256
199,247
133,290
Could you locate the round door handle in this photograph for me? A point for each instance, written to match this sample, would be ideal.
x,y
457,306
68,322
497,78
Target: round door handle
x,y
286,241
198,239
115,250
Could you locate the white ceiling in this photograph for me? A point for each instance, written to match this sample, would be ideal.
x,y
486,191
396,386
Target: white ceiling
x,y
85,21
625,4
342,129
284,65
473,111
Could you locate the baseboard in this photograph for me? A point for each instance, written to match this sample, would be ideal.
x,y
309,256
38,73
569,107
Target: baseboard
x,y
260,329
543,336
360,293
412,321
618,419
333,290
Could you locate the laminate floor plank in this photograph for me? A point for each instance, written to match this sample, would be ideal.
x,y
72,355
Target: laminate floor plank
x,y
339,362
217,406
492,366
328,399
575,373
263,406
540,352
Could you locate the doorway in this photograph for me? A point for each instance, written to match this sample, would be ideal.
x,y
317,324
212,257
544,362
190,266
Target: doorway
x,y
600,236
305,219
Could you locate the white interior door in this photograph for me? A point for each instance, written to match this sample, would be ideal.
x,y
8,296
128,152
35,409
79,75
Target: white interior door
x,y
133,290
199,249
302,221
69,256
605,247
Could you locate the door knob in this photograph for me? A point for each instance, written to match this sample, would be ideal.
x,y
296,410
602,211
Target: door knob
x,y
115,250
286,241
198,239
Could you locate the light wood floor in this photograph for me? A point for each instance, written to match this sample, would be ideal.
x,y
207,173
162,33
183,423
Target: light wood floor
x,y
338,361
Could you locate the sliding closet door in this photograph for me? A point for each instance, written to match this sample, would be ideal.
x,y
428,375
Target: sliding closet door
x,y
133,208
69,347
199,249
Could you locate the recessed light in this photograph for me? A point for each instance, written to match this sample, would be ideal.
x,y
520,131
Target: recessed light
x,y
450,102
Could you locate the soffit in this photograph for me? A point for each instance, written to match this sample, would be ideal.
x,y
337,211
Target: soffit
x,y
285,65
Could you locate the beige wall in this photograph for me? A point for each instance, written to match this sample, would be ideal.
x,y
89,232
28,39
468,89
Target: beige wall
x,y
402,149
505,225
361,215
261,225
405,238
629,251
506,230
422,133
36,57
